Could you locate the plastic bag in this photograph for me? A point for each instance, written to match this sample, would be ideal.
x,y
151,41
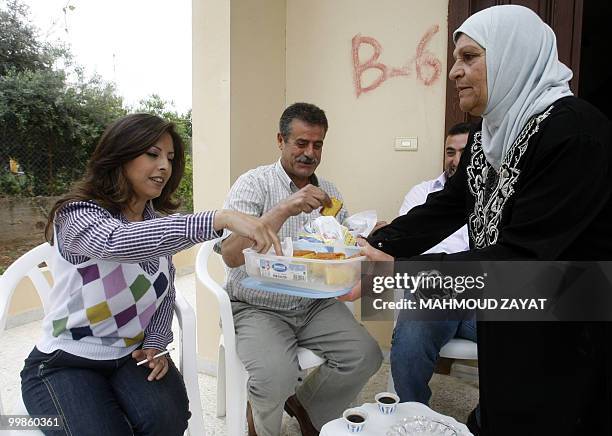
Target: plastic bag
x,y
332,232
362,223
327,230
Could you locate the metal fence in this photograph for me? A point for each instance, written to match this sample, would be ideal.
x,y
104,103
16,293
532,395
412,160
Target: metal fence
x,y
37,169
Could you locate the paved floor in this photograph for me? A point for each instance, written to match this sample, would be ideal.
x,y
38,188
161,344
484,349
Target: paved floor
x,y
451,396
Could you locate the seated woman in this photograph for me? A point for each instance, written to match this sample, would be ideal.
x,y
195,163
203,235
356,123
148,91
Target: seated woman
x,y
112,300
533,184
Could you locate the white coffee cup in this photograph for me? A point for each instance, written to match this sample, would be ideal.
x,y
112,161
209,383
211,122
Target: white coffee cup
x,y
387,402
355,419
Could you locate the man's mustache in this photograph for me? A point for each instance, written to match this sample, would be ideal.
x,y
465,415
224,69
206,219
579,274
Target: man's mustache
x,y
306,160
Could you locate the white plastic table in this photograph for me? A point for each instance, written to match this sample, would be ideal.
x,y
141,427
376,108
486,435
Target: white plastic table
x,y
378,424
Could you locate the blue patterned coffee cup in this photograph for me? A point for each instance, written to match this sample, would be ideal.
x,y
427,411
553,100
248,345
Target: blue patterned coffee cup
x,y
387,402
355,419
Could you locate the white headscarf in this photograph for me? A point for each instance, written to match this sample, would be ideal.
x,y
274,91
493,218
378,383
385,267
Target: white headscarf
x,y
524,75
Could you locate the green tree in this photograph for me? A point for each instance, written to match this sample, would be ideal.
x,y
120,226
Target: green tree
x,y
20,48
50,127
48,123
156,105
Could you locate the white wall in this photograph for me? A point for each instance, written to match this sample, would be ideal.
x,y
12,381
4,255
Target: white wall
x,y
358,151
238,92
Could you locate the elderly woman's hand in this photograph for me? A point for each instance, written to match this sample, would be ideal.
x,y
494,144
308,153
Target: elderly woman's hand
x,y
353,295
378,225
372,253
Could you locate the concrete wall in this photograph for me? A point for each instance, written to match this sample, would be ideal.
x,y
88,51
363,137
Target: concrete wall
x,y
257,82
358,153
238,94
376,68
370,101
23,219
23,222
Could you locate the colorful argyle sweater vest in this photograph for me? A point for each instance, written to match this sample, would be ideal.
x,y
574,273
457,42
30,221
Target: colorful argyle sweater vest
x,y
100,309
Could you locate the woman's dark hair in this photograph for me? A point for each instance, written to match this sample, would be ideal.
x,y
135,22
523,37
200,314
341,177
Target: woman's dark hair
x,y
104,180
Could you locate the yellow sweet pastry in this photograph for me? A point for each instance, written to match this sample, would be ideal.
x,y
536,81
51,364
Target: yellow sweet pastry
x,y
333,209
338,274
330,256
316,269
308,254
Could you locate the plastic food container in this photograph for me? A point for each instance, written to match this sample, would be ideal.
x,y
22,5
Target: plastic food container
x,y
311,274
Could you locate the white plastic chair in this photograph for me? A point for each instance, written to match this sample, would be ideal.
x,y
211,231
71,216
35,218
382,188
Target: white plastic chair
x,y
231,375
27,266
458,348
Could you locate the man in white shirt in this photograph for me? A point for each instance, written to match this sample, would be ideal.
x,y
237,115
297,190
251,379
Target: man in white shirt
x,y
416,344
453,147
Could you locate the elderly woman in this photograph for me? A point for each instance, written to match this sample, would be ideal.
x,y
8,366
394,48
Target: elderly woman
x,y
534,183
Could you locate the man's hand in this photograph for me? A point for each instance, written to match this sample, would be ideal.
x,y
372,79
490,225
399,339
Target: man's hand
x,y
305,200
159,366
255,229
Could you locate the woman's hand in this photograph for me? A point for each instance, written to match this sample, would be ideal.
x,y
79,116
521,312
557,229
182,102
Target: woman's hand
x,y
353,295
378,225
159,365
372,253
249,227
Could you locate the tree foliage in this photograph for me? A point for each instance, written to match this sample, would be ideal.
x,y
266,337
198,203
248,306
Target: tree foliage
x,y
20,48
51,127
156,105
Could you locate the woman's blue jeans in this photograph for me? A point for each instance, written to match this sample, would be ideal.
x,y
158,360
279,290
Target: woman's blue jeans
x,y
104,397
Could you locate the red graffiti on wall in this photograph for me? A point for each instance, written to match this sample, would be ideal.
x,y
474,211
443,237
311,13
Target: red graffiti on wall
x,y
427,66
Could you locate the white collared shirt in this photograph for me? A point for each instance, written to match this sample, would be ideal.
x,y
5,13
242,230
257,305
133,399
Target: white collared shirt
x,y
458,241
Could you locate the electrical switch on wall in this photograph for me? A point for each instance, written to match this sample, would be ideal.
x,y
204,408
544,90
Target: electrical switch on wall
x,y
406,143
